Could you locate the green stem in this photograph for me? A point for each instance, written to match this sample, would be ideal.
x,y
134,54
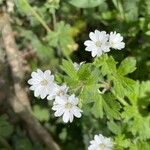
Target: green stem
x,y
37,16
122,101
54,28
54,20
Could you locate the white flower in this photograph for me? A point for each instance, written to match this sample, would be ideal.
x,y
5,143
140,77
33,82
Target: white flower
x,y
100,143
10,6
77,66
41,83
66,106
115,41
58,91
98,43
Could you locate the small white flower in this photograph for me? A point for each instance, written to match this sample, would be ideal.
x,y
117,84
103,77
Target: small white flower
x,y
101,143
10,6
77,66
98,43
41,83
58,91
66,106
116,41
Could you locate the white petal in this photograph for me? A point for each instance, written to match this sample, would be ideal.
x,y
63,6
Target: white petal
x,y
30,81
105,47
93,36
32,88
94,53
99,52
40,73
60,99
47,73
36,92
89,48
73,100
33,74
59,113
43,94
66,116
88,43
71,117
51,97
57,107
76,111
97,139
97,33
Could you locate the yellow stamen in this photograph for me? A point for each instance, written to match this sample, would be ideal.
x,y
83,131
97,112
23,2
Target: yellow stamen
x,y
44,82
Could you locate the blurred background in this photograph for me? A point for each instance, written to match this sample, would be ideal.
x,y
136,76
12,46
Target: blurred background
x,y
39,34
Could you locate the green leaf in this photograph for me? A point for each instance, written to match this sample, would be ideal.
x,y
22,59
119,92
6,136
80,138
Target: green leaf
x,y
84,72
107,64
23,143
118,89
140,126
62,39
97,108
44,51
69,69
111,107
123,86
85,3
40,113
144,89
95,76
6,128
114,127
22,6
131,9
87,96
122,142
128,65
129,113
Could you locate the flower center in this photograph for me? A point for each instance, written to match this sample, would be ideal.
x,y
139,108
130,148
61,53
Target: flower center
x,y
98,44
112,44
44,82
61,93
102,147
68,105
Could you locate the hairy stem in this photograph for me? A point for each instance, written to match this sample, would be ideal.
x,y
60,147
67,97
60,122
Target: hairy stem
x,y
39,18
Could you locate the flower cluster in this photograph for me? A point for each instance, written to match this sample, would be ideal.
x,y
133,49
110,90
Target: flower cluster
x,y
101,42
65,105
43,85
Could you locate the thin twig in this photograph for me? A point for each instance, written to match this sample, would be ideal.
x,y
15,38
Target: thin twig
x,y
14,60
37,16
17,96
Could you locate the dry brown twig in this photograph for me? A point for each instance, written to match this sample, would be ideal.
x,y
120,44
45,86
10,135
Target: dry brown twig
x,y
17,96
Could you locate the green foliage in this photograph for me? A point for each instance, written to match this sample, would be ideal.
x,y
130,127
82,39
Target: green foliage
x,y
114,128
122,142
139,125
130,13
127,66
113,90
69,69
23,144
62,37
43,50
6,128
85,3
42,114
22,7
110,102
